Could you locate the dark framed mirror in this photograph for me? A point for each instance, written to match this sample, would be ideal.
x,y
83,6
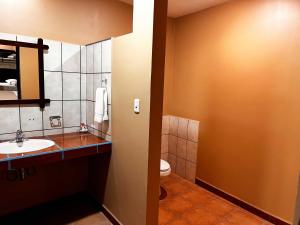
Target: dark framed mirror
x,y
22,73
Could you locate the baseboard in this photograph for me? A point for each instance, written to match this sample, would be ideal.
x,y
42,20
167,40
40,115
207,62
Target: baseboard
x,y
110,216
241,203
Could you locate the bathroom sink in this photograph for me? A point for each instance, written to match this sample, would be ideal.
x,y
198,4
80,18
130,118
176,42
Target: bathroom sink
x,y
30,145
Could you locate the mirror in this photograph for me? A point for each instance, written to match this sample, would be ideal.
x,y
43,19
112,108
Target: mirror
x,y
8,73
22,72
29,73
19,73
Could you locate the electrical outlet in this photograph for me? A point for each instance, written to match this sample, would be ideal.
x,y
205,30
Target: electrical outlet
x,y
55,121
31,118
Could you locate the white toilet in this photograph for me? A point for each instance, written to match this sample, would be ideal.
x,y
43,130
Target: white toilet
x,y
165,170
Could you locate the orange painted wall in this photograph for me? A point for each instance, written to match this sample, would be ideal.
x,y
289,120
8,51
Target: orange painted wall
x,y
169,66
79,21
236,70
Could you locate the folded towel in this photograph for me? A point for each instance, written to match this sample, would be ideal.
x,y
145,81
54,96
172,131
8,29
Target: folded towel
x,y
101,108
11,81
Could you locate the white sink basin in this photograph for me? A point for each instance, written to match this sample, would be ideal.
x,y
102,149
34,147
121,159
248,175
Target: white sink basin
x,y
30,145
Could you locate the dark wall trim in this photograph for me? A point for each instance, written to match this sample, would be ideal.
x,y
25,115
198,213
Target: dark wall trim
x,y
240,203
109,216
41,72
25,101
40,47
18,72
23,44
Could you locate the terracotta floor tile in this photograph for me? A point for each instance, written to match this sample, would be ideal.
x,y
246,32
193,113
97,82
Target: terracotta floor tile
x,y
224,222
179,222
177,205
200,217
220,207
240,217
198,198
165,216
190,204
176,189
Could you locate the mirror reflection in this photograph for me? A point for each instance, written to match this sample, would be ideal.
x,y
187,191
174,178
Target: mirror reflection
x,y
19,73
8,73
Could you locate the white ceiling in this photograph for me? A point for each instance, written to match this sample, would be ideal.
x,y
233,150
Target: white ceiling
x,y
179,8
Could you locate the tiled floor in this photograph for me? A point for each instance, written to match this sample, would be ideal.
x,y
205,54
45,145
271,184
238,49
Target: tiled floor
x,y
189,204
74,210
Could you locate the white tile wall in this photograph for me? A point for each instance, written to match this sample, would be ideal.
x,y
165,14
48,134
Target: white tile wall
x,y
174,125
180,166
10,120
190,171
164,143
10,37
71,113
83,59
90,113
30,134
106,125
54,131
165,125
27,39
181,148
5,137
180,135
193,128
71,86
97,84
54,109
71,130
97,58
53,85
192,149
83,112
83,86
106,82
106,60
70,58
31,118
98,54
90,59
182,127
72,74
52,60
172,144
89,87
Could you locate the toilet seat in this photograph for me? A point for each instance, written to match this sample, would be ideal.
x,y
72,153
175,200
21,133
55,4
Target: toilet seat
x,y
165,168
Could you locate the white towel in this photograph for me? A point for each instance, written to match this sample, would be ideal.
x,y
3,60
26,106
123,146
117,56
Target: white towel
x,y
101,109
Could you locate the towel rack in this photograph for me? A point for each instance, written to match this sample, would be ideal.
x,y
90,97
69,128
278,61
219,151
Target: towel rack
x,y
105,82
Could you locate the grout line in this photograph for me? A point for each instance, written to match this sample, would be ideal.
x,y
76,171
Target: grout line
x,y
57,71
43,127
107,39
80,118
181,138
61,71
89,73
62,86
93,71
181,158
101,78
20,118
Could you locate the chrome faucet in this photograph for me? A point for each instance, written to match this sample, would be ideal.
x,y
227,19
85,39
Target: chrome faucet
x,y
20,136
